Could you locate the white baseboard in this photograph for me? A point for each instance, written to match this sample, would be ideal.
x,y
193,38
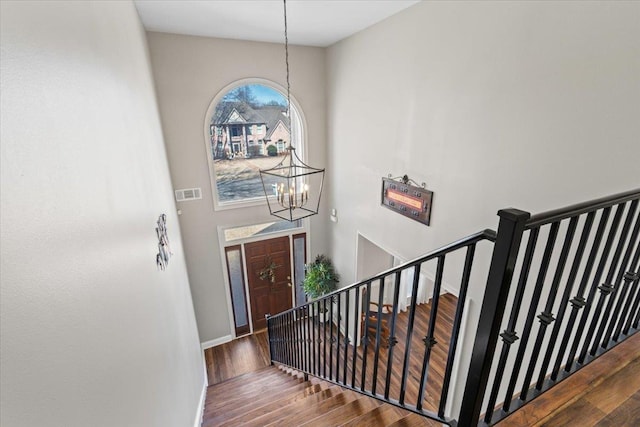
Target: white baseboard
x,y
208,344
200,411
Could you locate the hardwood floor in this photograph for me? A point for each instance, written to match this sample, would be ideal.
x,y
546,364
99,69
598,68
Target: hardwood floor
x,y
234,365
606,392
246,354
416,351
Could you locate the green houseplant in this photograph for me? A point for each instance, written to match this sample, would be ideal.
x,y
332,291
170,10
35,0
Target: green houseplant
x,y
320,278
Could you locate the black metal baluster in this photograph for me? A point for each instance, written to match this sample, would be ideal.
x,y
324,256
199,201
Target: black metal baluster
x,y
270,338
578,301
632,275
635,285
637,318
283,340
535,299
355,333
605,288
612,318
309,326
378,333
628,278
565,299
453,343
324,338
430,340
608,290
315,336
412,314
546,316
338,341
585,313
294,340
330,337
291,338
285,337
273,336
301,340
509,335
279,339
366,337
303,337
392,333
346,337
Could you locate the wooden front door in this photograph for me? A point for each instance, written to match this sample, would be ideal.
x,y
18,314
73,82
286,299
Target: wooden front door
x,y
268,296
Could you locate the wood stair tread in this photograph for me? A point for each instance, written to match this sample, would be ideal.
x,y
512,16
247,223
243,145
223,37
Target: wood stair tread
x,y
237,408
273,405
381,416
257,376
293,407
308,412
343,413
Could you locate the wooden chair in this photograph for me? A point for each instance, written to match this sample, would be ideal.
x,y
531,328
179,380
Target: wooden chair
x,y
369,326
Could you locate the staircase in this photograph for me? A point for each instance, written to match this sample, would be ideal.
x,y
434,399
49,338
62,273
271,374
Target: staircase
x,y
562,289
278,396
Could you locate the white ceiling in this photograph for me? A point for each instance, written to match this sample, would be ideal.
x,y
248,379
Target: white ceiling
x,y
309,22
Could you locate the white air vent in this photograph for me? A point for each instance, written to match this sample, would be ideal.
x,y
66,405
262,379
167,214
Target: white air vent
x,y
188,194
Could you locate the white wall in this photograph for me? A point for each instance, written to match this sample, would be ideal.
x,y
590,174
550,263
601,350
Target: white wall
x,y
189,72
92,333
532,105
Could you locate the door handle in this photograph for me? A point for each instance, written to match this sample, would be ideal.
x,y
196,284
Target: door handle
x,y
288,277
289,284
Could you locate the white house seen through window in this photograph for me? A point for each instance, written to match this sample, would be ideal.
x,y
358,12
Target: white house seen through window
x,y
249,130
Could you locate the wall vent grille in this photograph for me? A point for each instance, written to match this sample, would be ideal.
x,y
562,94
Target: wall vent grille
x,y
188,194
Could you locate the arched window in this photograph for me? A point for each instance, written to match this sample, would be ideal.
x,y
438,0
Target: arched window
x,y
247,129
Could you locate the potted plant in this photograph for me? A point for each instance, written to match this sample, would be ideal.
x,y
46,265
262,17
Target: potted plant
x,y
320,279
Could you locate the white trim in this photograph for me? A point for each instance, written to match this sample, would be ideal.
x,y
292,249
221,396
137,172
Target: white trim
x,y
227,290
212,343
448,408
296,112
247,295
241,242
200,411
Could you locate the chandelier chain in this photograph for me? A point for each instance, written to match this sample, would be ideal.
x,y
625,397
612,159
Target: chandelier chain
x,y
286,57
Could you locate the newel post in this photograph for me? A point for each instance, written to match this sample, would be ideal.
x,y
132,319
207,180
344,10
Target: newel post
x,y
269,337
505,252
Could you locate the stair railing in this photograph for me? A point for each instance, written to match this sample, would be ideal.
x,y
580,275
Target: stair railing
x,y
579,271
330,337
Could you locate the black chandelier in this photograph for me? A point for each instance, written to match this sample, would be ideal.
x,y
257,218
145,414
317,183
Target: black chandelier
x,y
292,188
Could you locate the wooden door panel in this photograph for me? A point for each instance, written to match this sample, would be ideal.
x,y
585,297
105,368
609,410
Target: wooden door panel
x,y
268,297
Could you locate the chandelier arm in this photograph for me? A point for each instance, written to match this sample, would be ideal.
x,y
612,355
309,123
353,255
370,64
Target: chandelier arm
x,y
303,163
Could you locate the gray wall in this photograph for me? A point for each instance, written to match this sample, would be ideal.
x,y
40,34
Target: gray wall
x,y
92,333
189,72
533,105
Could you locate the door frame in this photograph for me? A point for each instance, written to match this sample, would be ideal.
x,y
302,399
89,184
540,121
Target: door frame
x,y
223,243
